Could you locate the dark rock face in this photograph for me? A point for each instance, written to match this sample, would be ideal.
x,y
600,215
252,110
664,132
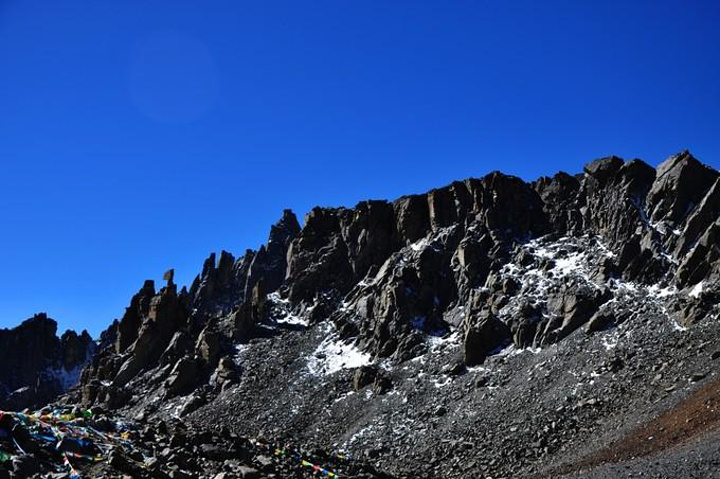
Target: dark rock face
x,y
413,217
612,197
183,377
32,347
682,182
483,334
164,317
76,349
128,327
318,257
573,306
559,197
371,376
37,365
702,262
269,265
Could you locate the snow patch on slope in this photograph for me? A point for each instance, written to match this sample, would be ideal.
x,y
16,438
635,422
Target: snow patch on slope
x,y
67,379
282,313
697,290
546,266
333,355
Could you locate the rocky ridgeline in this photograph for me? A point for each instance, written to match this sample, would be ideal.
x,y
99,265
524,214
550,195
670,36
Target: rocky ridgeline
x,y
330,332
391,274
658,227
37,365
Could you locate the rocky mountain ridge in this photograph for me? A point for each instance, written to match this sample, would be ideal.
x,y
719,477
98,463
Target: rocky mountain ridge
x,y
38,365
385,329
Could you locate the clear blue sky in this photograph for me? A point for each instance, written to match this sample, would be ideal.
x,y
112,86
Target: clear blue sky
x,y
136,136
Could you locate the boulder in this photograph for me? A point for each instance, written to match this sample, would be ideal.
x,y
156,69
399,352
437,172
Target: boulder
x,y
364,376
599,321
371,376
226,373
484,333
184,376
574,305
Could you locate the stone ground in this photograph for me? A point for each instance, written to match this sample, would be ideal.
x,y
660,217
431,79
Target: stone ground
x,y
520,414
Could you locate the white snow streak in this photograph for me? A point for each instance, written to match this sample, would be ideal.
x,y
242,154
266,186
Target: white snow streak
x,y
66,378
333,355
697,289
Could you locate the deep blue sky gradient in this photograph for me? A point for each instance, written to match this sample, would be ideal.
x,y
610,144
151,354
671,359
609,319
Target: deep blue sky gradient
x,y
136,136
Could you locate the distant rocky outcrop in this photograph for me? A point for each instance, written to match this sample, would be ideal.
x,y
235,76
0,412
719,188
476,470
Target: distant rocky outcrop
x,y
37,365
